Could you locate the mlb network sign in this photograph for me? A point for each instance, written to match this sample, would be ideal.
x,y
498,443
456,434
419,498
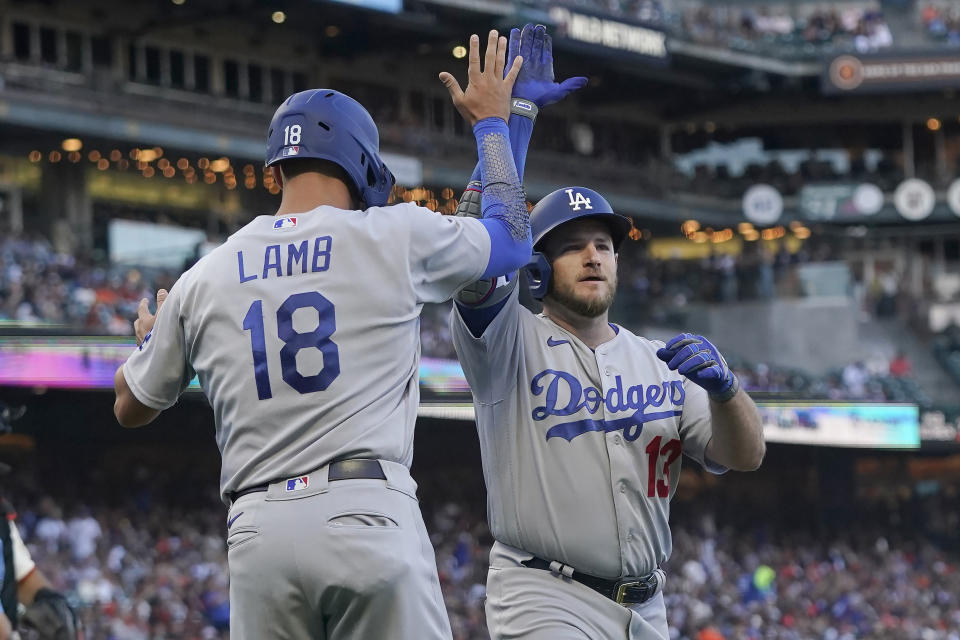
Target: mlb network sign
x,y
610,33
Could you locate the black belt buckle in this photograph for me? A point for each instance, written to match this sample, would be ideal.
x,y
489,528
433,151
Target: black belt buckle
x,y
646,586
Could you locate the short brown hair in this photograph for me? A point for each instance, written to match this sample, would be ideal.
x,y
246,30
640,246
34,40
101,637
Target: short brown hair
x,y
298,166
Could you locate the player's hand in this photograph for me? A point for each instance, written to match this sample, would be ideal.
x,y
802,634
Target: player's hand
x,y
145,321
535,80
488,91
694,357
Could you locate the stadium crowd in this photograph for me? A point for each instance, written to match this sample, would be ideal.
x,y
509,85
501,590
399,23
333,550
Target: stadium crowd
x,y
841,26
143,562
720,182
857,25
941,20
41,286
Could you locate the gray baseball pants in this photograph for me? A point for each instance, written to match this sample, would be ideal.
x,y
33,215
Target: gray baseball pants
x,y
533,604
334,560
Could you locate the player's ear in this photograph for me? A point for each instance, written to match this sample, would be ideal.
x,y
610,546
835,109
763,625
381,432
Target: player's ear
x,y
277,175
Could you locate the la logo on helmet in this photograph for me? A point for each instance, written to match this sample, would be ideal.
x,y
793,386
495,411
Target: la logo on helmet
x,y
577,199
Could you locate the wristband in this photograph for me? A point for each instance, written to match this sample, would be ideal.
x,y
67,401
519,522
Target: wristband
x,y
726,396
524,107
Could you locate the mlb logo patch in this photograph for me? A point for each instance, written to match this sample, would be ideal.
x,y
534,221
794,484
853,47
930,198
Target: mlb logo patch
x,y
285,223
298,484
291,151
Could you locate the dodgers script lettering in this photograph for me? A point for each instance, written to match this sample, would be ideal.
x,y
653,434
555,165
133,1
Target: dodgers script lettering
x,y
554,385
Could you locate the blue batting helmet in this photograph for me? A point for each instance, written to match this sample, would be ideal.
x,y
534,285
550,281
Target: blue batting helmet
x,y
558,208
329,125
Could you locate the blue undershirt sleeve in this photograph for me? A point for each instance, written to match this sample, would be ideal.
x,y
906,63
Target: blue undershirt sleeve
x,y
478,319
502,202
521,130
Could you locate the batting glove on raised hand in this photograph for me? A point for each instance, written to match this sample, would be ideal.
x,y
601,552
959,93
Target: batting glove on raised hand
x,y
696,358
535,82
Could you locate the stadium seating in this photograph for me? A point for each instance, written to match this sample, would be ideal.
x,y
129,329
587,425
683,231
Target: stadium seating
x,y
142,562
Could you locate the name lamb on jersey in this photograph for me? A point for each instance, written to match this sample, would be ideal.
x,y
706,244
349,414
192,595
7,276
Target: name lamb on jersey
x,y
297,255
561,384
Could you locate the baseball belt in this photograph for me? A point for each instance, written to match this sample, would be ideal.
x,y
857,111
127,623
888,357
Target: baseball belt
x,y
358,469
627,591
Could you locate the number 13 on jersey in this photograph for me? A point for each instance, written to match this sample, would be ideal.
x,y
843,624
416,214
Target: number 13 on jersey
x,y
293,342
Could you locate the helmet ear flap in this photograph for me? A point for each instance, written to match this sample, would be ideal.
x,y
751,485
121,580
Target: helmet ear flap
x,y
538,275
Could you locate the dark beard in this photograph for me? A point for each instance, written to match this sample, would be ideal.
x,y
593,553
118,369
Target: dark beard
x,y
588,309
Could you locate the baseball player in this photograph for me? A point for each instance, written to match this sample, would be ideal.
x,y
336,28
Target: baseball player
x,y
46,614
303,330
581,426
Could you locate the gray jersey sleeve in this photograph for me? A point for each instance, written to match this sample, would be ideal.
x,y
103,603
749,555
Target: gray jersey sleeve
x,y
695,425
158,371
490,361
446,253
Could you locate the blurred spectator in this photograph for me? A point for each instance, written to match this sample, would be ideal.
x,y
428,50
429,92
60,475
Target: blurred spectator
x,y
855,378
941,21
900,366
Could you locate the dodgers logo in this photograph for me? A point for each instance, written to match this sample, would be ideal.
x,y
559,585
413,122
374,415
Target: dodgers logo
x,y
554,384
577,199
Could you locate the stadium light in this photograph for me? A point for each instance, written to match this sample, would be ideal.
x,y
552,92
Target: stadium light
x,y
72,144
689,227
147,155
278,17
723,235
459,51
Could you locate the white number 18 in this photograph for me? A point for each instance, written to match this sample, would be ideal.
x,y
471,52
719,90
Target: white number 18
x,y
291,134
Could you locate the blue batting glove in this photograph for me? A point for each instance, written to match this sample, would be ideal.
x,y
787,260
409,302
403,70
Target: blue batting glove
x,y
696,358
535,81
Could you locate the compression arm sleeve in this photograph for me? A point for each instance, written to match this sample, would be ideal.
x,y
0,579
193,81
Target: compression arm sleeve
x,y
503,204
521,129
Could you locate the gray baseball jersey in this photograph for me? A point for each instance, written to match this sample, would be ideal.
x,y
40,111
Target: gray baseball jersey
x,y
581,448
304,333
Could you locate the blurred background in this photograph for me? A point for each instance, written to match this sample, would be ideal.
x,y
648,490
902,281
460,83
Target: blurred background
x,y
792,171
